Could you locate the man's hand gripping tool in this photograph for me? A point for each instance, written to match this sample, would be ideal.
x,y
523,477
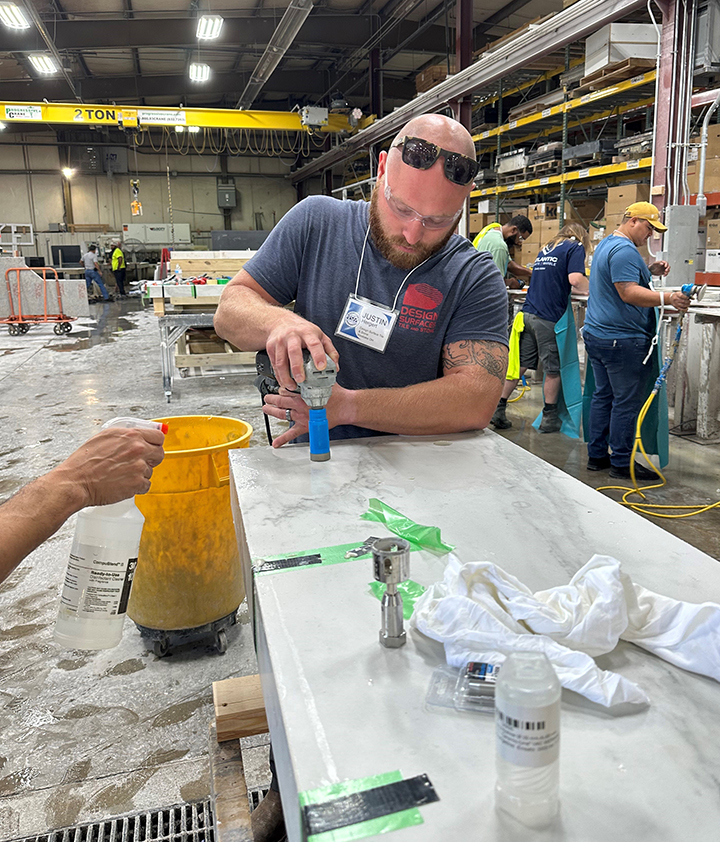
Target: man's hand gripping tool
x,y
315,390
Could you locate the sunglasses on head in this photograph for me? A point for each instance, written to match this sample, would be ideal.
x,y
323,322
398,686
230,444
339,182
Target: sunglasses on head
x,y
421,155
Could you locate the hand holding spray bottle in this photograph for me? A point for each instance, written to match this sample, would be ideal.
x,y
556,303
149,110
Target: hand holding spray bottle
x,y
101,567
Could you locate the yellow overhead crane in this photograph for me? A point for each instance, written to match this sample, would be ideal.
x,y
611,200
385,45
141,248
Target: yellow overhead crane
x,y
125,117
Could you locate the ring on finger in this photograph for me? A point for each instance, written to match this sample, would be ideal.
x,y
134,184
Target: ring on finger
x,y
288,414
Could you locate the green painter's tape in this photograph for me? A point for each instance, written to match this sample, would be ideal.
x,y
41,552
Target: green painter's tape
x,y
427,537
329,555
384,824
411,592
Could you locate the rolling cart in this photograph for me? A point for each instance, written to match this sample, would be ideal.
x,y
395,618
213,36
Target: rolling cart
x,y
19,323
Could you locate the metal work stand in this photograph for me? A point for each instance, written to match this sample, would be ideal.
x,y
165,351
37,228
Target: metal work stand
x,y
171,329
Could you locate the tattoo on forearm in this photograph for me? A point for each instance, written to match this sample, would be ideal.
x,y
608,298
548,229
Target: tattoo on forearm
x,y
492,356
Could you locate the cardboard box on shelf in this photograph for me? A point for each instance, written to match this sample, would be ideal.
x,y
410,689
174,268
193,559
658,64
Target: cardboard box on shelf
x,y
712,176
549,229
477,221
712,234
619,42
584,210
543,210
713,144
626,194
712,260
433,75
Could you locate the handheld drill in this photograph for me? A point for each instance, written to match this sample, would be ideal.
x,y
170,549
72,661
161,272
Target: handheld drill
x,y
315,390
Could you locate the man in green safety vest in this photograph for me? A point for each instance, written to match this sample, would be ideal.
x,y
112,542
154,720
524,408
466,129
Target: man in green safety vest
x,y
118,267
497,238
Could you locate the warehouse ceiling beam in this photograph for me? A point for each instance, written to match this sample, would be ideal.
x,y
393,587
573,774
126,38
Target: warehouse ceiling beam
x,y
345,31
127,117
50,44
117,88
577,21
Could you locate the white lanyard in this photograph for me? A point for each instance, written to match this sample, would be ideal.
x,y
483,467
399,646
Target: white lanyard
x,y
367,322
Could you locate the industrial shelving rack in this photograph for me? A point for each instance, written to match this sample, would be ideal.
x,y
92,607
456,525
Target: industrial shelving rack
x,y
625,98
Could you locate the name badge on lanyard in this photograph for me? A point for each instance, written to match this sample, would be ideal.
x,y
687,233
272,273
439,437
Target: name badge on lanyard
x,y
367,323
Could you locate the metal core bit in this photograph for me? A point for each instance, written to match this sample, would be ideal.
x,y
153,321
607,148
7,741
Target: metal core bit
x,y
391,564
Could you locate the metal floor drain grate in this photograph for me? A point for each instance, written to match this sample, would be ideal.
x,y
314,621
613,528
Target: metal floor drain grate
x,y
179,823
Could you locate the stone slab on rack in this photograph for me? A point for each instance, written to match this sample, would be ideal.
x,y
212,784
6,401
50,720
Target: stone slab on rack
x,y
72,291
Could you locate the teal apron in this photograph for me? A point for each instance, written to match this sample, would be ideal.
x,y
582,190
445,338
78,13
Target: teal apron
x,y
570,399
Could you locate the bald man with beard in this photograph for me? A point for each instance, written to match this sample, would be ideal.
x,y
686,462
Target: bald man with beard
x,y
414,316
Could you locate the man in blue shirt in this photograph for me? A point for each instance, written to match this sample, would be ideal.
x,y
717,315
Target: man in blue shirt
x,y
558,268
619,327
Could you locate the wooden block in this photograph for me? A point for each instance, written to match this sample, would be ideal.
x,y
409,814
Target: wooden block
x,y
159,306
239,708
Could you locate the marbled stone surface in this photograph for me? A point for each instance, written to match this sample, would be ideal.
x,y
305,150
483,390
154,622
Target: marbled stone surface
x,y
342,707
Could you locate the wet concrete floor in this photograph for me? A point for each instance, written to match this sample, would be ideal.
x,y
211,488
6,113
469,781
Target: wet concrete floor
x,y
87,735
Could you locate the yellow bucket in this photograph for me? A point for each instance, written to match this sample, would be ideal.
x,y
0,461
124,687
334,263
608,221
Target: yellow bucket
x,y
188,571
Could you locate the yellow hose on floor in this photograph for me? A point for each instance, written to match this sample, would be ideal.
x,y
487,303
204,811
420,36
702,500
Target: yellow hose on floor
x,y
647,508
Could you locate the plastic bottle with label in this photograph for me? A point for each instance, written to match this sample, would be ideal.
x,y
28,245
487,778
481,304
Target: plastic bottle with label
x,y
101,567
527,727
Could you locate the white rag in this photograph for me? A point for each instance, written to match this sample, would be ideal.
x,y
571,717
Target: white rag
x,y
481,613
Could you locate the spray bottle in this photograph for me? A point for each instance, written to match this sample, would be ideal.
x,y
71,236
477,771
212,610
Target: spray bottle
x,y
101,567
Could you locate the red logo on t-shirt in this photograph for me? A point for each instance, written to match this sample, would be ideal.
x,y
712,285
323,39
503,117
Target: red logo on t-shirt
x,y
417,308
423,296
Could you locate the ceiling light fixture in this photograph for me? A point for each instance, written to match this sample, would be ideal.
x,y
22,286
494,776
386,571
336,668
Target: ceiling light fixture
x,y
3,126
68,172
208,27
13,16
179,129
199,72
43,64
193,129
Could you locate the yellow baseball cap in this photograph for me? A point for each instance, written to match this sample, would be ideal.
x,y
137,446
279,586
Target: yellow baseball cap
x,y
645,210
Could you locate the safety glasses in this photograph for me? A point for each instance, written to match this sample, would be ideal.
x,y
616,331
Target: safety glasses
x,y
406,213
421,155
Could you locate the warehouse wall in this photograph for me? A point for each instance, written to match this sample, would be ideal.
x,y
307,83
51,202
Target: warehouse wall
x,y
32,193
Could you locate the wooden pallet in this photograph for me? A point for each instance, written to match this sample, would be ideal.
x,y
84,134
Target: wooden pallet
x,y
198,266
544,168
514,177
613,73
596,160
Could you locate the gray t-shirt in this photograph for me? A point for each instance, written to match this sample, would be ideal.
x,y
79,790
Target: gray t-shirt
x,y
313,255
89,259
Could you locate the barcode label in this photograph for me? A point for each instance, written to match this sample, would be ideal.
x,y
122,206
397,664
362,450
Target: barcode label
x,y
546,112
545,180
512,124
633,165
636,79
527,736
523,725
584,173
483,135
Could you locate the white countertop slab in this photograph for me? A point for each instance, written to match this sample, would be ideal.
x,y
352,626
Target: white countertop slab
x,y
342,707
